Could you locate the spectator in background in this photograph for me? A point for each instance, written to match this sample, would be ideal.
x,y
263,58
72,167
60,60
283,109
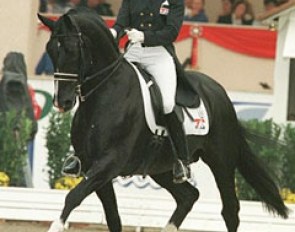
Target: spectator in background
x,y
187,7
44,65
103,8
197,12
242,14
270,5
280,2
72,4
226,8
42,6
56,6
100,6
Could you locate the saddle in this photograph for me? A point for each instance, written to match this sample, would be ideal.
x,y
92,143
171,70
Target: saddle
x,y
186,96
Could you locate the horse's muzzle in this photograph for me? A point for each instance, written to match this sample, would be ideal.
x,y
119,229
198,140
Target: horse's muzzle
x,y
65,106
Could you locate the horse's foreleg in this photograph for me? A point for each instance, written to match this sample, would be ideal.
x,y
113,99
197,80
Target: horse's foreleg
x,y
73,199
77,195
96,177
185,196
107,196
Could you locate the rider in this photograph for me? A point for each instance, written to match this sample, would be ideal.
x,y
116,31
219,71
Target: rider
x,y
153,27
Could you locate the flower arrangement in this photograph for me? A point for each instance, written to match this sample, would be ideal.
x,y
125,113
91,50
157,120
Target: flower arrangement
x,y
275,146
288,195
15,131
4,179
58,144
67,182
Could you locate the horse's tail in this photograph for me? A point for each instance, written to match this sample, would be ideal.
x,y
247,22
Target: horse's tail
x,y
258,177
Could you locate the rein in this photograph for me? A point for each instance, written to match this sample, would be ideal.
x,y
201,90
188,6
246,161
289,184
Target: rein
x,y
114,66
82,82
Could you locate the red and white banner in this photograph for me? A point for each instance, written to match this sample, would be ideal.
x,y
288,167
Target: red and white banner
x,y
256,42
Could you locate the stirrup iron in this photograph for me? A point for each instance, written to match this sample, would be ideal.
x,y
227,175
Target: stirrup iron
x,y
74,161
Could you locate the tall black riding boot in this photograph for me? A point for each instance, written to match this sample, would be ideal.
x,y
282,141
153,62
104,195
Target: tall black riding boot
x,y
181,170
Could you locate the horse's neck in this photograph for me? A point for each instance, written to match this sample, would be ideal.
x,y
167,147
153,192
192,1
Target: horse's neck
x,y
114,93
100,59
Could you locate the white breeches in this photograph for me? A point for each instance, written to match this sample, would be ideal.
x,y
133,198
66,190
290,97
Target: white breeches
x,y
159,63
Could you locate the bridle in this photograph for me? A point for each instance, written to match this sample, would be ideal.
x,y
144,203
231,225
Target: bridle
x,y
80,79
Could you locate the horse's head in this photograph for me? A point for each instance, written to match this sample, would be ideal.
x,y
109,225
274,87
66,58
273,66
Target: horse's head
x,y
80,45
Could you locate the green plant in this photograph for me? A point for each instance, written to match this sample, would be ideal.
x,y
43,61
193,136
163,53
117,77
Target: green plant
x,y
289,158
58,143
268,150
15,130
275,146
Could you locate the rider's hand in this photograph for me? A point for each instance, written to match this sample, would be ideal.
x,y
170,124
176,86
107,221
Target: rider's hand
x,y
114,33
135,36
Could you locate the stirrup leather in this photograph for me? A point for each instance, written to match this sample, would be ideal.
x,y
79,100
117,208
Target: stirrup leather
x,y
181,172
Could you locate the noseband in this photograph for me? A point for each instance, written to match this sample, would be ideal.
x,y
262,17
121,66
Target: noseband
x,y
80,78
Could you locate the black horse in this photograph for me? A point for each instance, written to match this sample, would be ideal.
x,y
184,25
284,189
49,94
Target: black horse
x,y
110,135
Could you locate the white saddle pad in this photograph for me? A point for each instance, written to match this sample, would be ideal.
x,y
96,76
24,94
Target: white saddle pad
x,y
196,123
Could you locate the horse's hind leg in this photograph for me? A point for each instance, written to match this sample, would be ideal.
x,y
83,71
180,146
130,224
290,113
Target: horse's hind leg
x,y
224,177
230,202
184,194
108,199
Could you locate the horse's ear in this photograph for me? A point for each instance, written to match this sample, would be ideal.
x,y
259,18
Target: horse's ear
x,y
47,22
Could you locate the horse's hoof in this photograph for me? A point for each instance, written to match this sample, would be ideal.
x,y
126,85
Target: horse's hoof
x,y
170,228
56,226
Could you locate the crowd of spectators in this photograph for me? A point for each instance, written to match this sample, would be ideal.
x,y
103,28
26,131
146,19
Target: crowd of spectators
x,y
241,14
62,6
236,12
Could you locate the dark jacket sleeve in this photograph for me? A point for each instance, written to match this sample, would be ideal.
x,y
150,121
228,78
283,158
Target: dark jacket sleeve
x,y
169,32
123,18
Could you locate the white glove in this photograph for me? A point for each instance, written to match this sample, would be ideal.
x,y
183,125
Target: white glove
x,y
114,33
135,36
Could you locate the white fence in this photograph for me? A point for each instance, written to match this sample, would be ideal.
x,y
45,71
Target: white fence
x,y
136,209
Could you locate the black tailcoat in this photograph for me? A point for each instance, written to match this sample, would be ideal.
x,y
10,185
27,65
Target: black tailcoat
x,y
160,23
